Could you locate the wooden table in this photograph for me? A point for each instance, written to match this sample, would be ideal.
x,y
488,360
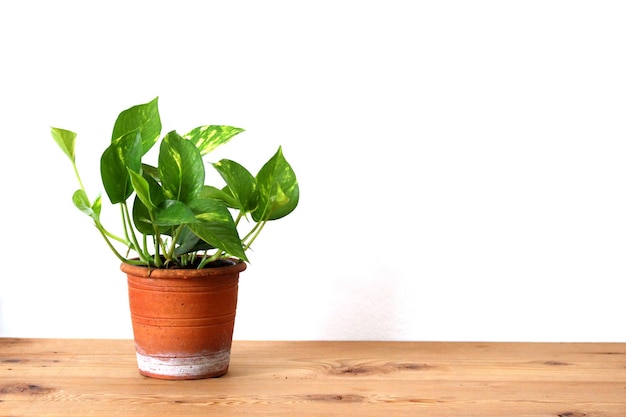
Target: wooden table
x,y
70,377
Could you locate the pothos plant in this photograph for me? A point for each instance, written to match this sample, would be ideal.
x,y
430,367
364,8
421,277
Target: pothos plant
x,y
169,217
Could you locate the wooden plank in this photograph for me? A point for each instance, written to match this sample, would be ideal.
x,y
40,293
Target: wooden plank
x,y
70,377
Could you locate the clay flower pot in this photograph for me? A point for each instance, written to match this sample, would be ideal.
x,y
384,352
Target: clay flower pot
x,y
183,319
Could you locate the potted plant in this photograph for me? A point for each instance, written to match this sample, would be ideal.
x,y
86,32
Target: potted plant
x,y
182,243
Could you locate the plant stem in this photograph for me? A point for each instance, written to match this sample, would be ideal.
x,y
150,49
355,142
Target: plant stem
x,y
130,233
103,231
208,259
115,237
170,252
108,242
256,229
80,181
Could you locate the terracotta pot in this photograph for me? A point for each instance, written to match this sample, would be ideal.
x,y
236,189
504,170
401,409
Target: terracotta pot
x,y
183,319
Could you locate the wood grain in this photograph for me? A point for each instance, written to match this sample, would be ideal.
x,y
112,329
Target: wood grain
x,y
72,377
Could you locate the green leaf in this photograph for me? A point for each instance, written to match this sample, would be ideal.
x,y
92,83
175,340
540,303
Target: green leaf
x,y
174,213
181,168
170,213
143,118
224,195
81,201
278,189
241,184
141,214
142,188
190,242
150,171
97,207
122,154
141,218
207,138
216,226
66,139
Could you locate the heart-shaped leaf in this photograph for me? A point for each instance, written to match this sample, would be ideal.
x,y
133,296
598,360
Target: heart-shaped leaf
x,y
216,226
143,118
207,138
66,139
123,153
241,184
278,189
181,168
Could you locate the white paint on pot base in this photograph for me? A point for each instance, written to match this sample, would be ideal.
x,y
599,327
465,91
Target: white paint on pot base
x,y
184,367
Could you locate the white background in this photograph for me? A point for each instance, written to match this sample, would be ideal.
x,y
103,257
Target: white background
x,y
461,163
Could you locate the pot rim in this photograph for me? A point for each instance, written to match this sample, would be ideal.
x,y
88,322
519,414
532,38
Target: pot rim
x,y
151,272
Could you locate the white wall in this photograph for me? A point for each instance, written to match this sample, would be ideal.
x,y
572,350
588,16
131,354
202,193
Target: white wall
x,y
461,164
